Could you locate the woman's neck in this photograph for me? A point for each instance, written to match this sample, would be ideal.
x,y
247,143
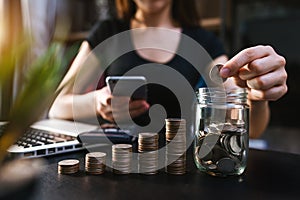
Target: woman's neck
x,y
161,19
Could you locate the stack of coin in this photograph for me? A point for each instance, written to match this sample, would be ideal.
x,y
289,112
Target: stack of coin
x,y
175,146
121,158
95,163
148,153
69,166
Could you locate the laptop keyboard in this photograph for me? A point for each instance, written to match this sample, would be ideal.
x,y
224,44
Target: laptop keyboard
x,y
34,137
38,143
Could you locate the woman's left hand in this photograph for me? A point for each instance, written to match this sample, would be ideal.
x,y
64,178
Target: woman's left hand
x,y
260,69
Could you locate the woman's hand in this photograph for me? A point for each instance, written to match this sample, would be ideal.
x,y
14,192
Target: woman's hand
x,y
260,69
114,108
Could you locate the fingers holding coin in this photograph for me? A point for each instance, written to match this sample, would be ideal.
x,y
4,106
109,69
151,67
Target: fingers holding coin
x,y
261,69
214,74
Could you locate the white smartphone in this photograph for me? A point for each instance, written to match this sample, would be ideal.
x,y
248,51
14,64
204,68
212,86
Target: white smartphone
x,y
132,86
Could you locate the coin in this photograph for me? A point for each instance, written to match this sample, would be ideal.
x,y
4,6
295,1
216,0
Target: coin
x,y
177,167
68,162
95,163
95,155
121,158
235,144
231,139
148,153
147,142
68,166
175,146
226,165
214,74
122,146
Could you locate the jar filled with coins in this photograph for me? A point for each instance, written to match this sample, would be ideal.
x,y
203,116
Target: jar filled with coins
x,y
221,131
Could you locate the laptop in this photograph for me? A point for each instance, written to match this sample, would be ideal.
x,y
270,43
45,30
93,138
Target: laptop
x,y
54,136
49,137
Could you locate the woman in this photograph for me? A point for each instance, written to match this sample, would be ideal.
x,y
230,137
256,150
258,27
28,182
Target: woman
x,y
259,68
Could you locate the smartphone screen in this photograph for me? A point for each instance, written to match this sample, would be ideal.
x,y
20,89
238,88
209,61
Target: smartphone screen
x,y
132,86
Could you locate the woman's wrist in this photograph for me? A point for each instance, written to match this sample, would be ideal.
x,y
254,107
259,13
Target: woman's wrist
x,y
259,117
258,105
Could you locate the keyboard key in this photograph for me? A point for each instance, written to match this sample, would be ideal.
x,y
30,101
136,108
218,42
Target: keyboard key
x,y
36,144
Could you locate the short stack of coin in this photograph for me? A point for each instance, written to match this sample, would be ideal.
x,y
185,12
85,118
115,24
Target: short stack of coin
x,y
95,163
175,146
121,158
148,153
69,166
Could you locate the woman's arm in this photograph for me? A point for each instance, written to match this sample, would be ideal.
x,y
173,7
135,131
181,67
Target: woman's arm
x,y
62,107
94,103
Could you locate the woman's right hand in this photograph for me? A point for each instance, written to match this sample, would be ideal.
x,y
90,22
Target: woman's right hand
x,y
113,108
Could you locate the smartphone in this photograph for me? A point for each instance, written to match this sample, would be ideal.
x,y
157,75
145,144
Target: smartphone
x,y
131,86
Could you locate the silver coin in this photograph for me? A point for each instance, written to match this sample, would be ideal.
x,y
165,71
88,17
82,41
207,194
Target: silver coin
x,y
95,163
68,166
147,135
235,144
175,120
215,76
122,146
68,162
95,155
226,165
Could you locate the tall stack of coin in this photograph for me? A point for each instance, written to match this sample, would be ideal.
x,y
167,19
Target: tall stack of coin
x,y
148,153
175,146
69,166
121,158
95,163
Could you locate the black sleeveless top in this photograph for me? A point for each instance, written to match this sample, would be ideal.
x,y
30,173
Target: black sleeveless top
x,y
157,94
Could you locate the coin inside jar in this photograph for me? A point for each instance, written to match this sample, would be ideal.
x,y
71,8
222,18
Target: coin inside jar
x,y
215,76
226,165
235,144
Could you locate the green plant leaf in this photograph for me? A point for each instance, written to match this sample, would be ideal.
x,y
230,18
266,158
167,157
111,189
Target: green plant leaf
x,y
38,92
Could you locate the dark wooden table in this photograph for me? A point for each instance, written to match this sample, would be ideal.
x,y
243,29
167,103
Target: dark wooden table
x,y
269,175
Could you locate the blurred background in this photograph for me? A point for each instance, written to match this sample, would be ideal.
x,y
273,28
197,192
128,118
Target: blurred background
x,y
238,23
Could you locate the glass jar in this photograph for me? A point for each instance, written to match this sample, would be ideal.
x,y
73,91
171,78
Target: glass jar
x,y
221,131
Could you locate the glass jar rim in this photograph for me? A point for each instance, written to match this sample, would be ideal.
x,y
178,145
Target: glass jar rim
x,y
221,95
